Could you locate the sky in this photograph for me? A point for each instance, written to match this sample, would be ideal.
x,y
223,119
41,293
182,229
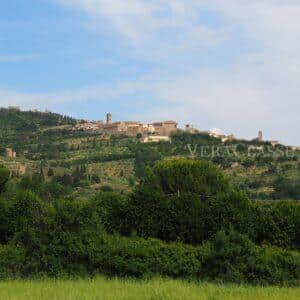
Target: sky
x,y
233,65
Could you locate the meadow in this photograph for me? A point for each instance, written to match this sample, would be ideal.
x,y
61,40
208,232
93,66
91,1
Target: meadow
x,y
101,288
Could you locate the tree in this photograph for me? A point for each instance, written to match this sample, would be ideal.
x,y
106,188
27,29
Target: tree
x,y
145,157
186,176
187,200
66,179
50,172
4,177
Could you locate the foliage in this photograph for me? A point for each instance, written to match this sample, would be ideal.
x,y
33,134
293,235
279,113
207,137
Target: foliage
x,y
25,121
285,188
12,258
4,176
144,158
183,175
233,257
184,220
278,224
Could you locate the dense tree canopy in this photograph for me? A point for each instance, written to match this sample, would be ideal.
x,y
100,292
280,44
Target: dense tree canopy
x,y
4,176
191,225
186,176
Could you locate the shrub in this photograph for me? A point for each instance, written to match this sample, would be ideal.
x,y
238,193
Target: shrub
x,y
4,176
137,257
110,209
234,258
11,261
67,238
106,188
278,223
277,266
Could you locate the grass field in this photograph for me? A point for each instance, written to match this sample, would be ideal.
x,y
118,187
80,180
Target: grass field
x,y
158,289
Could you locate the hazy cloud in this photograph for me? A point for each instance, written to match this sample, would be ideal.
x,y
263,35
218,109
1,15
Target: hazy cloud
x,y
257,89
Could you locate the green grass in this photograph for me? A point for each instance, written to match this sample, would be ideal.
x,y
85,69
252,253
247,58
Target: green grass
x,y
158,289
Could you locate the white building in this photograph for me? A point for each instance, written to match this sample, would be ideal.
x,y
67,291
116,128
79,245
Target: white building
x,y
156,138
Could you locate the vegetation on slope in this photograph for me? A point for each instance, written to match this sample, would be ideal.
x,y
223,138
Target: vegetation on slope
x,y
230,238
13,120
92,204
264,172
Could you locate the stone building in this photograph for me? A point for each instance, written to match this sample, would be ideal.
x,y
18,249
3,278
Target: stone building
x,y
274,143
191,129
22,170
165,128
260,136
133,128
108,118
129,128
89,126
11,153
147,129
114,128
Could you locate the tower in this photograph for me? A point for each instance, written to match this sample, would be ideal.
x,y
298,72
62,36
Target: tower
x,y
260,136
108,118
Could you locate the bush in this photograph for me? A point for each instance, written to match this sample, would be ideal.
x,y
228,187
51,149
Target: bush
x,y
141,258
67,238
106,188
11,261
229,257
110,209
78,238
276,266
234,258
278,223
286,188
4,176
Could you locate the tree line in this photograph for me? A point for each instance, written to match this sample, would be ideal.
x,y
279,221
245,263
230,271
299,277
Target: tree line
x,y
184,220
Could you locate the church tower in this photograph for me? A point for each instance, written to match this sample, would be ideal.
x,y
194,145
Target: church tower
x,y
108,118
260,136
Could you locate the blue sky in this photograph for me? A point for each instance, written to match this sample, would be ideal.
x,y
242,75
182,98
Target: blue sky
x,y
233,65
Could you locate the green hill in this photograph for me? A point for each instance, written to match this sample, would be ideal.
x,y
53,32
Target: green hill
x,y
13,120
120,162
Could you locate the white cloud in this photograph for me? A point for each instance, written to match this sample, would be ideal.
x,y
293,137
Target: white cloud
x,y
258,89
100,92
152,29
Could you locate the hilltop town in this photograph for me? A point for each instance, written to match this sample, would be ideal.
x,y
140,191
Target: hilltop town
x,y
118,152
161,131
158,131
153,132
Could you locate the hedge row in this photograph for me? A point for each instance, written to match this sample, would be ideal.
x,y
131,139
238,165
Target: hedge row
x,y
229,257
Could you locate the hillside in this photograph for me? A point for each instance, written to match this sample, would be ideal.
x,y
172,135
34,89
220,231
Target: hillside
x,y
15,120
46,141
84,204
